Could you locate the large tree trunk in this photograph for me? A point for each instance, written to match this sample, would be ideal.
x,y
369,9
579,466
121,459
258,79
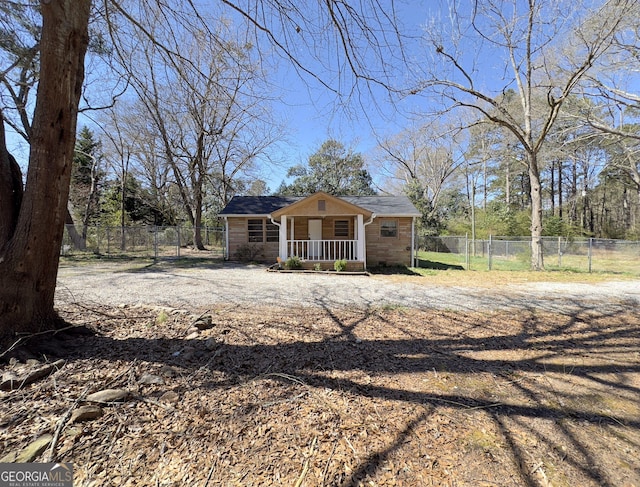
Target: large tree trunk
x,y
537,261
10,190
29,260
197,220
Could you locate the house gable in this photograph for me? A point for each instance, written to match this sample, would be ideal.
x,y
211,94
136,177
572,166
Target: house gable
x,y
321,204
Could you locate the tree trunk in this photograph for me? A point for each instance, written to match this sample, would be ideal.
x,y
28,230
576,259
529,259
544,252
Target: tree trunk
x,y
123,196
91,199
636,214
198,243
197,216
508,184
537,260
574,191
10,190
484,185
29,260
79,241
552,188
560,202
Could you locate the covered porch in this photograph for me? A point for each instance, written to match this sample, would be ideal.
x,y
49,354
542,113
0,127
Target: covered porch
x,y
314,239
322,229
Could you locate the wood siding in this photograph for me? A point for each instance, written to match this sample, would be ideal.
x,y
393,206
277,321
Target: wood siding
x,y
301,225
239,238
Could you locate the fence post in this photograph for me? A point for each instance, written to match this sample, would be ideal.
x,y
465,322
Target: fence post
x,y
559,251
489,250
466,251
155,242
178,246
590,253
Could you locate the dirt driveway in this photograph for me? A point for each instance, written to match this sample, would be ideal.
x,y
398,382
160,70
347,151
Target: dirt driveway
x,y
239,285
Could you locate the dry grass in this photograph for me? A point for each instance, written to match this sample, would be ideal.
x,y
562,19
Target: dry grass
x,y
344,397
496,279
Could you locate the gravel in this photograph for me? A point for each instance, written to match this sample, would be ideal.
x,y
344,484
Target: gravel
x,y
243,286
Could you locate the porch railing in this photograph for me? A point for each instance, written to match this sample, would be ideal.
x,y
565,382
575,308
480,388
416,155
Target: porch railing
x,y
323,249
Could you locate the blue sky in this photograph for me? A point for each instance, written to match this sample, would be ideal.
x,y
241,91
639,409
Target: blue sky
x,y
315,114
312,113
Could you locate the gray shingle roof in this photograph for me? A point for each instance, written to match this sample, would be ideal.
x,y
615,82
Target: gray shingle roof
x,y
257,205
265,205
385,205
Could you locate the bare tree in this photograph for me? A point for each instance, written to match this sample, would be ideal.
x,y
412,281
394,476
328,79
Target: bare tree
x,y
29,255
19,52
120,138
86,177
538,47
422,158
615,114
201,99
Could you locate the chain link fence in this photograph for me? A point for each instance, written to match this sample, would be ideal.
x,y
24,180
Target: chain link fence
x,y
514,253
439,252
142,241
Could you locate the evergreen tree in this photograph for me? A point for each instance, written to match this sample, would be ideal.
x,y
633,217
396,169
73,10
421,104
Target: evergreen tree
x,y
333,169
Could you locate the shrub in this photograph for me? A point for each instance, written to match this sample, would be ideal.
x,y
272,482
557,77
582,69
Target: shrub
x,y
317,267
293,262
340,265
249,253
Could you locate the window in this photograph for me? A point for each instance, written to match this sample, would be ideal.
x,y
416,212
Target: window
x,y
273,232
322,205
256,231
389,228
341,228
259,232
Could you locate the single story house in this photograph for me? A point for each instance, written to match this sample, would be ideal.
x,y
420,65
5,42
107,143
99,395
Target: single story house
x,y
365,231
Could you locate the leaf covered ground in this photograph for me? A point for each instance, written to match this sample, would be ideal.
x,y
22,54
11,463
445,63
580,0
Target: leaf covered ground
x,y
386,396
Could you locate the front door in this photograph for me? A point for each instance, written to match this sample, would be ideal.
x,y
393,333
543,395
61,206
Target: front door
x,y
315,237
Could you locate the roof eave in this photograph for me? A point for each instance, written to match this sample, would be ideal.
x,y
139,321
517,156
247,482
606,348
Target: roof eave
x,y
397,215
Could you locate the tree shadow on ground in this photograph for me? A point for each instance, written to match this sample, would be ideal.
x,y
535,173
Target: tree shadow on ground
x,y
440,266
553,376
389,270
204,259
166,264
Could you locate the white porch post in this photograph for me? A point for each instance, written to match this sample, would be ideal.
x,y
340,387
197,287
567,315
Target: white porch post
x,y
412,263
360,238
283,237
226,238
